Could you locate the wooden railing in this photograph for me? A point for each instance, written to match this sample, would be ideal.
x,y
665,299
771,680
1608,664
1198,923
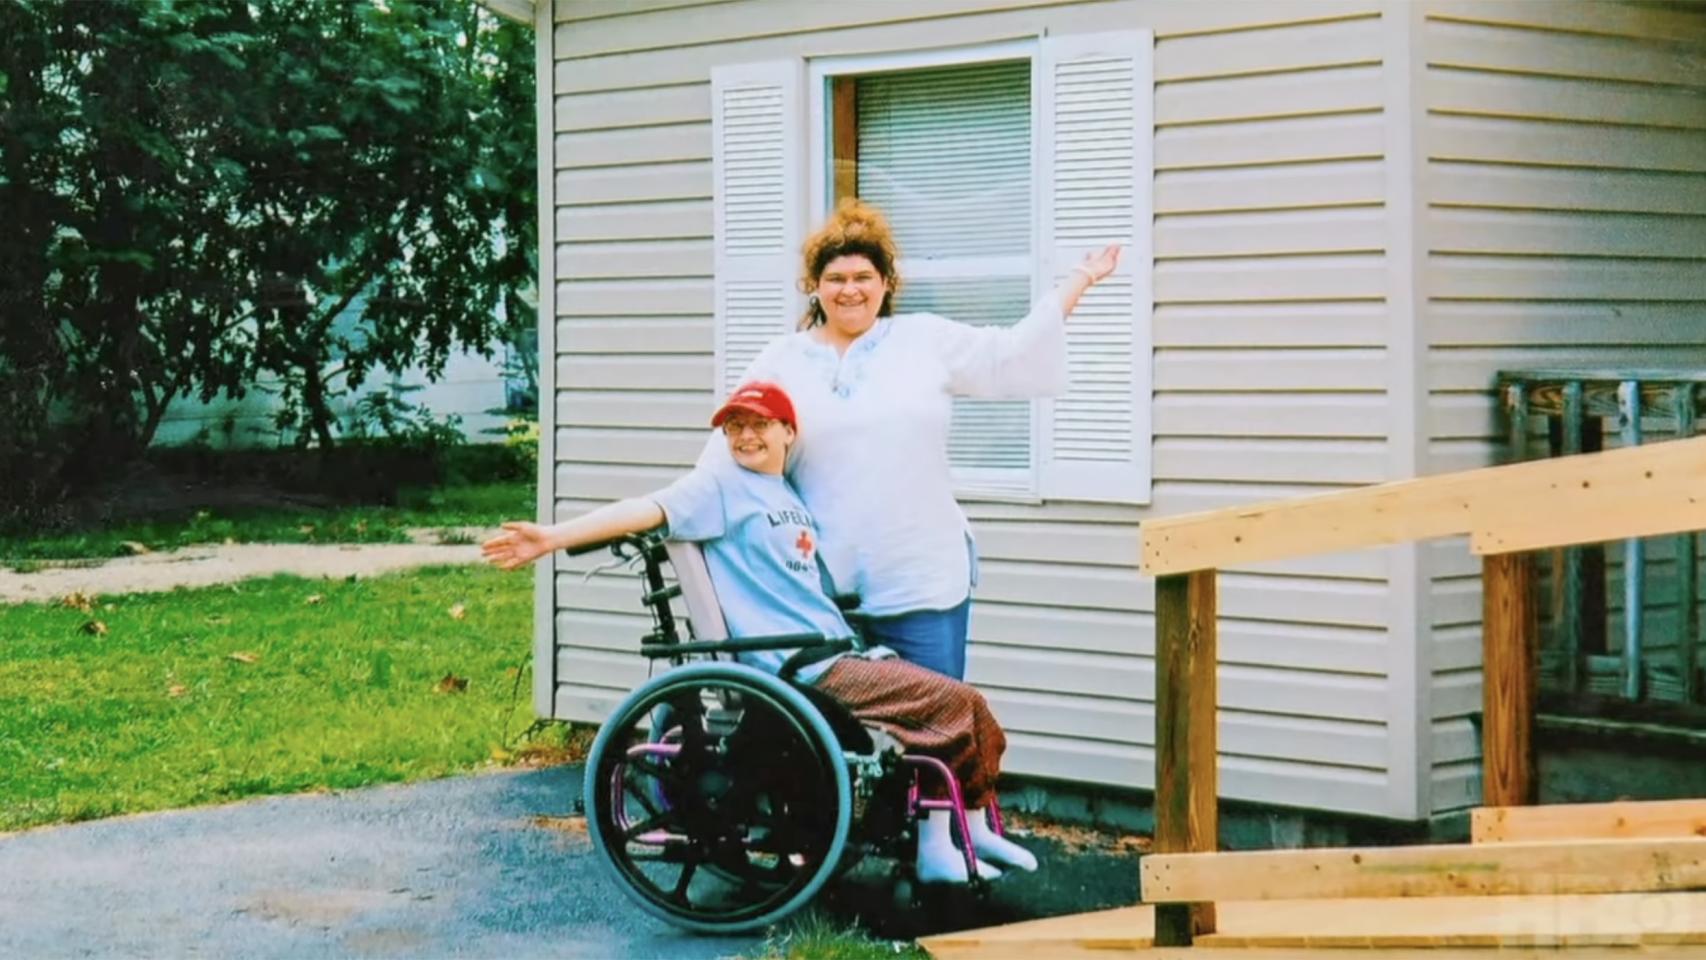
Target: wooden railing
x,y
1506,512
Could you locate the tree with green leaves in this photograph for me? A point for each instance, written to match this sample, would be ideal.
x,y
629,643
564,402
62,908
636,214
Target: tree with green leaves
x,y
196,192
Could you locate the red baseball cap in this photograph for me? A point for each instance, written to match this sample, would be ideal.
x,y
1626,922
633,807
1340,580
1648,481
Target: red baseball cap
x,y
761,397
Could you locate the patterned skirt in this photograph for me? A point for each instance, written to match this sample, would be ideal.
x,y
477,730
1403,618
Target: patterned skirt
x,y
929,714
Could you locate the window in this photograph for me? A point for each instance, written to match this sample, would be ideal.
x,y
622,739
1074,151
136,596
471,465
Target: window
x,y
999,169
946,153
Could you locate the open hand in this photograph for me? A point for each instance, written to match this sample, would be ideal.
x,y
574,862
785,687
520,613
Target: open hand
x,y
521,543
1097,266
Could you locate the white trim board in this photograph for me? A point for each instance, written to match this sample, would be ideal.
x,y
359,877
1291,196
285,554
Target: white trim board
x,y
545,571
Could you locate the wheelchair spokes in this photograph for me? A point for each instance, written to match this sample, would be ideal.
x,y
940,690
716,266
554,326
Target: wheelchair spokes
x,y
726,818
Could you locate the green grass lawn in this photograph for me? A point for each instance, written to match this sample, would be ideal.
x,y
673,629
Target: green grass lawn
x,y
283,685
465,505
269,686
812,935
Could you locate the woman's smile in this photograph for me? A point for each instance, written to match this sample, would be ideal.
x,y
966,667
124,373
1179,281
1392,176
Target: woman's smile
x,y
759,444
851,291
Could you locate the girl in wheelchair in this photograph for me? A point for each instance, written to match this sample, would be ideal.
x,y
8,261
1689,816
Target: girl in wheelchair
x,y
759,545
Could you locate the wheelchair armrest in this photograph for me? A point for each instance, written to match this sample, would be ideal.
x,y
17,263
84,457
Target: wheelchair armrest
x,y
641,541
789,641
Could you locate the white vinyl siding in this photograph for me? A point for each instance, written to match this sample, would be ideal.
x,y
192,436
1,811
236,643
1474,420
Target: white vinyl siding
x,y
1268,366
1566,172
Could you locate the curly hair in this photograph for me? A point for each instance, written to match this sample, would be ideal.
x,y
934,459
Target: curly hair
x,y
854,229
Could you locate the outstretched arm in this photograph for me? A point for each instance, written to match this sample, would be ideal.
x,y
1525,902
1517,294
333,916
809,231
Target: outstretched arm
x,y
522,543
1027,359
1094,269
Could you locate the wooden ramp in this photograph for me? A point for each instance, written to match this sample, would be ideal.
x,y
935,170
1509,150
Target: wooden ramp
x,y
1591,879
1623,877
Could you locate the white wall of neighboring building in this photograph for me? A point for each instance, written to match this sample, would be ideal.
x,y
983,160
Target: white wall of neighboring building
x,y
471,386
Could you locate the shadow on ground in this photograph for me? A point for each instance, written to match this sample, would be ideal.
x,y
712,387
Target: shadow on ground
x,y
1079,871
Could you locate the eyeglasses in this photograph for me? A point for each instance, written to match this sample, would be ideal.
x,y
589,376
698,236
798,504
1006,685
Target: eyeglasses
x,y
842,280
734,427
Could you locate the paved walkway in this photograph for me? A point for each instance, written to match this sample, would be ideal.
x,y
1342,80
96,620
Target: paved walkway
x,y
225,563
450,868
493,865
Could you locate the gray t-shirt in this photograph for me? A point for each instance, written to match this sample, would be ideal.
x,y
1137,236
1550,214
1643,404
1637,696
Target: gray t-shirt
x,y
760,547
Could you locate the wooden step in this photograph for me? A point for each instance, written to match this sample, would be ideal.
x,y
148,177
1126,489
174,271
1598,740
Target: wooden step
x,y
1120,929
1597,920
1582,821
1648,921
1017,951
1508,869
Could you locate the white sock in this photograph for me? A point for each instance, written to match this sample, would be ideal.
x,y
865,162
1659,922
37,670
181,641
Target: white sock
x,y
939,861
992,846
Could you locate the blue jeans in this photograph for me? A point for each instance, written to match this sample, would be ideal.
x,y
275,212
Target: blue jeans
x,y
933,639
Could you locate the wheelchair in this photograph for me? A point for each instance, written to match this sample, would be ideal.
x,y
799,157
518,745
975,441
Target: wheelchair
x,y
721,798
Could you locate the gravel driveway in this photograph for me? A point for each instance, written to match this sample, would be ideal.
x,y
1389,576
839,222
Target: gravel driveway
x,y
451,868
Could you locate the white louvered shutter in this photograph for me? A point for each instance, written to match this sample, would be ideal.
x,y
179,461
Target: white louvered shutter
x,y
757,170
946,154
1096,164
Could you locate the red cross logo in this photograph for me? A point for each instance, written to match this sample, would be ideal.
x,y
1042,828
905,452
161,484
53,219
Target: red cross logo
x,y
804,544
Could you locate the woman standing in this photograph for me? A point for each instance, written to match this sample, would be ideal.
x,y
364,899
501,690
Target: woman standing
x,y
874,392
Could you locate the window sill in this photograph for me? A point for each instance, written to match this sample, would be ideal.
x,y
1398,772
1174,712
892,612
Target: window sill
x,y
986,495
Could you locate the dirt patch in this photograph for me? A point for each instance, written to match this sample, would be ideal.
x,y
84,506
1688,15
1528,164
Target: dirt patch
x,y
1077,839
570,831
568,826
387,942
209,565
450,536
322,909
576,744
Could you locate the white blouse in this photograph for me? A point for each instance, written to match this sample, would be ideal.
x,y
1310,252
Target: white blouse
x,y
871,461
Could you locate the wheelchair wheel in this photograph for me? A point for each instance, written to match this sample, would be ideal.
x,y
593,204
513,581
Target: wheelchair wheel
x,y
733,820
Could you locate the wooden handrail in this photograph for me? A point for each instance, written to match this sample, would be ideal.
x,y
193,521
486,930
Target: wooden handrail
x,y
1633,492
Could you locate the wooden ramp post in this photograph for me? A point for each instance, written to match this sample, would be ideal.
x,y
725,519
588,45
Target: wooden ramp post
x,y
1508,680
1186,815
